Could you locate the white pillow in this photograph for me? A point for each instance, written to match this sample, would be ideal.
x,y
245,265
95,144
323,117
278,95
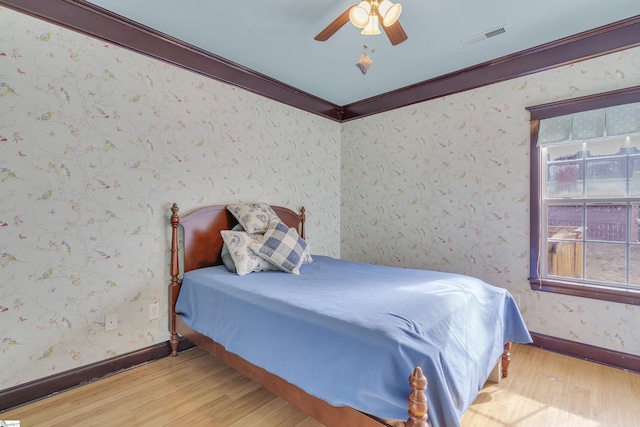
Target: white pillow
x,y
244,258
253,217
306,258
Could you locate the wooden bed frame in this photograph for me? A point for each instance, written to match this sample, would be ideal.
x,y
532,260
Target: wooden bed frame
x,y
202,244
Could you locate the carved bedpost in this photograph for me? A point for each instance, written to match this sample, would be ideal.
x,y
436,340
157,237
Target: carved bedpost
x,y
418,406
506,360
174,286
302,221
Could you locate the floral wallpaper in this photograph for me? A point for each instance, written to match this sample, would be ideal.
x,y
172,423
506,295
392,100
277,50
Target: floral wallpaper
x,y
96,142
444,185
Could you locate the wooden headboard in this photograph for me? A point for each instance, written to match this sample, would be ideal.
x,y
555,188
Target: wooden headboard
x,y
202,245
202,239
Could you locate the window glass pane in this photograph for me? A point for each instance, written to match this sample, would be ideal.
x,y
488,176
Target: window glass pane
x,y
564,236
634,230
634,265
564,222
634,177
564,180
565,259
606,178
607,222
606,262
607,147
634,143
564,152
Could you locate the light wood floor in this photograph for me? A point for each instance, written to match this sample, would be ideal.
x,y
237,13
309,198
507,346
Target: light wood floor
x,y
543,389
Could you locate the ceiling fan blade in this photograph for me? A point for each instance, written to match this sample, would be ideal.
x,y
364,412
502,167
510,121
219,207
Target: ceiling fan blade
x,y
395,32
334,26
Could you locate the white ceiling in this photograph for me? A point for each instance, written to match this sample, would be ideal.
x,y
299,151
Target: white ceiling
x,y
275,37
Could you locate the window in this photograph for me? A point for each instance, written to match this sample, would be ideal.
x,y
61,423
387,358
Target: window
x,y
585,197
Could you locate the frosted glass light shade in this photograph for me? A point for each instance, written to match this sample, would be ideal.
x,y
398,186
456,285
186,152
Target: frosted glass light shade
x,y
359,14
372,28
390,12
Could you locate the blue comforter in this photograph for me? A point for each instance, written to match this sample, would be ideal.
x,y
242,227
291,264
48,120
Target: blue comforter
x,y
351,333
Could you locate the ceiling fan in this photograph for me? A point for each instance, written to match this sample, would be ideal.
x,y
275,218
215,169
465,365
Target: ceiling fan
x,y
367,15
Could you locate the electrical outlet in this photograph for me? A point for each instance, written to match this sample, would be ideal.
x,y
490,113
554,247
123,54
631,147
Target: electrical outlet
x,y
154,311
110,322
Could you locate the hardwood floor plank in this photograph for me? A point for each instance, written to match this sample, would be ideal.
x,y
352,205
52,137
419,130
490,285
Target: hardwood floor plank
x,y
549,389
195,389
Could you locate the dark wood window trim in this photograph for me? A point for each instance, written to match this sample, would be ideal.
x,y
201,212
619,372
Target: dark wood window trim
x,y
554,109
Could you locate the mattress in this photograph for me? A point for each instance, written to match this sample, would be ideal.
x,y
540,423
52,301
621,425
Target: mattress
x,y
351,333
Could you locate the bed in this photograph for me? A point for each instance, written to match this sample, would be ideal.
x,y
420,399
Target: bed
x,y
342,366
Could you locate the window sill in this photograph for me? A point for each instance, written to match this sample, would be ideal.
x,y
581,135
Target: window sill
x,y
623,296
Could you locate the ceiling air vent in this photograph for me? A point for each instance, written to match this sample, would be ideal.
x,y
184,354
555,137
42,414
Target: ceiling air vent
x,y
486,35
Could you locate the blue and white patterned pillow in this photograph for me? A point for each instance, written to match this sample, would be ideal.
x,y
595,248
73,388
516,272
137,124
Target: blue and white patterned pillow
x,y
225,255
282,247
253,217
244,258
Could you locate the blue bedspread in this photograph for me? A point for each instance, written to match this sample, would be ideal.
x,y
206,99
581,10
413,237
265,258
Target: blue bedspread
x,y
351,333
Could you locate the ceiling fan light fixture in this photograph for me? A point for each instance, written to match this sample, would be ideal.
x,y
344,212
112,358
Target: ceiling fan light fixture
x,y
359,14
368,15
390,12
372,28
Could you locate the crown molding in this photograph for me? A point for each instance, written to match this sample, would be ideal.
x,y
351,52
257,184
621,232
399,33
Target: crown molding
x,y
89,19
589,44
